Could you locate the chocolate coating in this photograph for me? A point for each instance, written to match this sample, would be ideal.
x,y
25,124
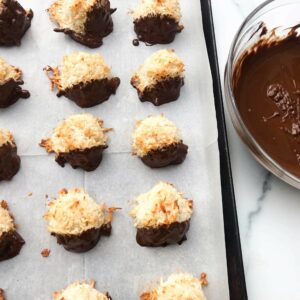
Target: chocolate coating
x,y
171,155
9,161
164,235
85,241
14,22
88,159
162,92
91,93
11,92
11,244
98,25
156,29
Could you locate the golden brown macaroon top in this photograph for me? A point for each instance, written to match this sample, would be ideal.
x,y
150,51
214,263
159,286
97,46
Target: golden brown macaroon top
x,y
8,72
6,137
6,219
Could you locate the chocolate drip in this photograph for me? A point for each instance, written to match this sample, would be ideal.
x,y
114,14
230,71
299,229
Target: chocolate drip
x,y
11,244
164,91
163,235
9,161
91,93
156,29
171,155
14,22
88,159
85,241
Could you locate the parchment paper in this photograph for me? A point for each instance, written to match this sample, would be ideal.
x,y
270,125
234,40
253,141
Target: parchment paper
x,y
118,264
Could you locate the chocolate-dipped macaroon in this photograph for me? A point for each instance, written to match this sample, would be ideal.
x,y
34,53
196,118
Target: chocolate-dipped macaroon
x,y
10,81
158,142
85,21
81,291
9,160
161,216
157,21
181,286
11,242
14,22
79,140
77,221
83,78
160,78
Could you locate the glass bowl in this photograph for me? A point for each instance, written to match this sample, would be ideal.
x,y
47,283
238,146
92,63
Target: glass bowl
x,y
278,15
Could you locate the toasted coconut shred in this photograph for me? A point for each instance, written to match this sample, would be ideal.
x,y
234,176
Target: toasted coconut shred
x,y
153,133
74,212
160,65
6,137
79,291
169,8
71,14
78,132
6,220
162,205
8,72
180,286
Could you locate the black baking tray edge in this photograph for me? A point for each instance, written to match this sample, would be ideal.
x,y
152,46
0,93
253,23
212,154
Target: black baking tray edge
x,y
235,267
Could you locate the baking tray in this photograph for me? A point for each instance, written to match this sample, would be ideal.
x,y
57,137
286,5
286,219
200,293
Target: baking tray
x,y
236,276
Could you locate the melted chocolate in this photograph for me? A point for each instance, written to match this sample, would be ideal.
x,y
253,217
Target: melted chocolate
x,y
91,93
85,241
267,91
11,244
172,155
88,159
14,22
164,235
98,25
9,162
162,92
156,29
11,92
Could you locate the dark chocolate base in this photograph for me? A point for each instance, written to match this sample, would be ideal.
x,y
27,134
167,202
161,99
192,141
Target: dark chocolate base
x,y
87,160
162,92
92,93
14,22
85,241
11,244
11,92
156,29
172,155
9,162
98,25
164,235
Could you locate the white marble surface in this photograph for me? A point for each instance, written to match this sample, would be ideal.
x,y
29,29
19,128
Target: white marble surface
x,y
268,209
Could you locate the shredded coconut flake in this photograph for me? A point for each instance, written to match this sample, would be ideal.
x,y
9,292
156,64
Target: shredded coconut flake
x,y
160,65
78,132
153,133
79,291
8,72
162,205
6,137
74,212
181,286
6,220
158,7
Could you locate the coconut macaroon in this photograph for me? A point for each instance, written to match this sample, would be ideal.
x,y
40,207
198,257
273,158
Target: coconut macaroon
x,y
81,290
77,221
14,22
9,160
181,286
85,21
10,81
10,241
158,142
157,21
161,216
160,78
79,140
83,78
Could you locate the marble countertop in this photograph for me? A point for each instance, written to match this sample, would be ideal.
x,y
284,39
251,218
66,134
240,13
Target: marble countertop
x,y
268,209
